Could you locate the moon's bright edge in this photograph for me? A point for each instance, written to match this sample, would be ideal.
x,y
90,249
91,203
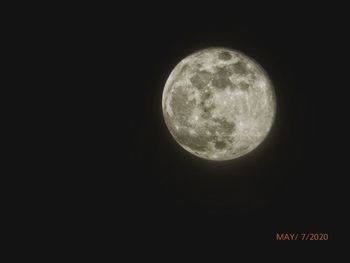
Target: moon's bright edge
x,y
219,104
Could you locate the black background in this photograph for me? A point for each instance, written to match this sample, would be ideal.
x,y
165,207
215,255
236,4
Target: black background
x,y
138,176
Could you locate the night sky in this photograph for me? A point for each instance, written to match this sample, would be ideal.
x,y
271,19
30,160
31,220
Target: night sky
x,y
290,183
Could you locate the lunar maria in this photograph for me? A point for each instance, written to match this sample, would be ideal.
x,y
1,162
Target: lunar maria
x,y
219,104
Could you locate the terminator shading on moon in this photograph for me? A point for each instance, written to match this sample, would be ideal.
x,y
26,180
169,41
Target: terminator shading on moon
x,y
219,104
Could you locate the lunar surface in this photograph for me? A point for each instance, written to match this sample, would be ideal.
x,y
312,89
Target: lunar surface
x,y
219,104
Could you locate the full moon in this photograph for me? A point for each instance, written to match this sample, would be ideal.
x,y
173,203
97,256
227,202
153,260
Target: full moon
x,y
219,104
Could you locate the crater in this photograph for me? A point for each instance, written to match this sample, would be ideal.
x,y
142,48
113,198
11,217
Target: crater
x,y
221,78
200,79
240,68
195,142
225,55
206,95
242,148
182,107
244,86
220,145
183,70
212,129
206,110
225,127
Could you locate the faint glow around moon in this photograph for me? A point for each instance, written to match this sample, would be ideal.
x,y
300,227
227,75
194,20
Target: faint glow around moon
x,y
218,104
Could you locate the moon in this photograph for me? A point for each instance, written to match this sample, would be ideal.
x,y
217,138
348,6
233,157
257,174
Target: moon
x,y
218,104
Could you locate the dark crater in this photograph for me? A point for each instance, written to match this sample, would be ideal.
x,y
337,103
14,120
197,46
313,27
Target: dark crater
x,y
224,127
220,145
201,78
240,68
224,55
221,78
244,86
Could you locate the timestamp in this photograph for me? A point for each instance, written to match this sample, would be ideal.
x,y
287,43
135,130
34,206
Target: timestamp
x,y
302,236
